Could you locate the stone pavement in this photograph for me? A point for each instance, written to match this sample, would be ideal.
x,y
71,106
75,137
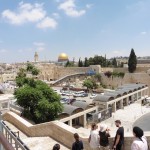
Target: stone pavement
x,y
128,116
36,143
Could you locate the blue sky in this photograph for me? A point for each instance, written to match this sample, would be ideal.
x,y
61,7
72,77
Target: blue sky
x,y
80,28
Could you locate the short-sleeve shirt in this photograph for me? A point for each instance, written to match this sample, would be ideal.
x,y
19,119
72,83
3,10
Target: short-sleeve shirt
x,y
94,139
78,145
139,144
104,138
120,132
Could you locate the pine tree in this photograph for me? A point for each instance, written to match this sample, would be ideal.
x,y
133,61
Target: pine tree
x,y
132,62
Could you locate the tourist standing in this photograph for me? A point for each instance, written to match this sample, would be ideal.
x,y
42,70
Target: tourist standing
x,y
77,145
56,147
119,138
140,142
94,138
104,135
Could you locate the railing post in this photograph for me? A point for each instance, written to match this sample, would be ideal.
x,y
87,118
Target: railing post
x,y
1,130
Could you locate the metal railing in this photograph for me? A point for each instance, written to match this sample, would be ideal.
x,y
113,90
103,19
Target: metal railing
x,y
100,116
4,144
10,139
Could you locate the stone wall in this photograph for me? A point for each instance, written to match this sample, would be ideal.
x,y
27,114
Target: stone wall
x,y
58,131
128,78
63,71
138,69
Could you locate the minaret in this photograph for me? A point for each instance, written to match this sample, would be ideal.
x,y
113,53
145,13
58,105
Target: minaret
x,y
36,57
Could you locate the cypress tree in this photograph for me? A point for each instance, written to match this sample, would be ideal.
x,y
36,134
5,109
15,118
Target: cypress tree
x,y
86,64
132,62
114,62
79,63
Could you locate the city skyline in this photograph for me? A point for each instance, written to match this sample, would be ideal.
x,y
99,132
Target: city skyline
x,y
78,28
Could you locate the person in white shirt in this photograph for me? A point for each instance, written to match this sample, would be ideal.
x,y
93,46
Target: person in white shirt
x,y
94,138
140,142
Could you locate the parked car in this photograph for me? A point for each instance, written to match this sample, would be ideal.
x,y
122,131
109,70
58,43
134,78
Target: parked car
x,y
93,96
81,100
72,100
65,101
78,93
69,94
84,95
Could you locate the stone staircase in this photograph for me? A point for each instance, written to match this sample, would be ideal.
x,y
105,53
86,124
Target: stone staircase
x,y
36,143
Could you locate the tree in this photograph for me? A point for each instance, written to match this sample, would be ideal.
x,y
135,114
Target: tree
x,y
21,73
69,64
114,62
40,102
29,67
132,62
86,63
108,74
98,77
80,63
88,84
35,71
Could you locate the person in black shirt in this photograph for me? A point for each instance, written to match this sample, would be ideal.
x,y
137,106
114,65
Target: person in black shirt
x,y
119,138
104,135
77,145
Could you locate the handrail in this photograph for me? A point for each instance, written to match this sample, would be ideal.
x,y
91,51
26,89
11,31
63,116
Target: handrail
x,y
17,140
5,143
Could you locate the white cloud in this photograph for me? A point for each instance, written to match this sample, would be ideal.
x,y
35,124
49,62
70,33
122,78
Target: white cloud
x,y
116,52
47,23
40,49
25,12
57,1
88,6
69,7
56,15
39,44
3,50
143,33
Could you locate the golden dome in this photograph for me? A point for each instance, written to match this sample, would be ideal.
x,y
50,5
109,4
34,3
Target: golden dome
x,y
62,57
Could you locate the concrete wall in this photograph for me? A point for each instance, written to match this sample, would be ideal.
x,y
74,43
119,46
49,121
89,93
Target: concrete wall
x,y
58,131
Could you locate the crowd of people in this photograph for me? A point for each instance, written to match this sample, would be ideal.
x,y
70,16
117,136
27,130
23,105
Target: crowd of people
x,y
99,139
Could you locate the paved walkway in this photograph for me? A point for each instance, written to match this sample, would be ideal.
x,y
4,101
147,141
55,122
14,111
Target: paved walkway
x,y
128,115
36,143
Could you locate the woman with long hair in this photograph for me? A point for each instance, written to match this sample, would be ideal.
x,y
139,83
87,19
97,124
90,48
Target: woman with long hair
x,y
140,142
